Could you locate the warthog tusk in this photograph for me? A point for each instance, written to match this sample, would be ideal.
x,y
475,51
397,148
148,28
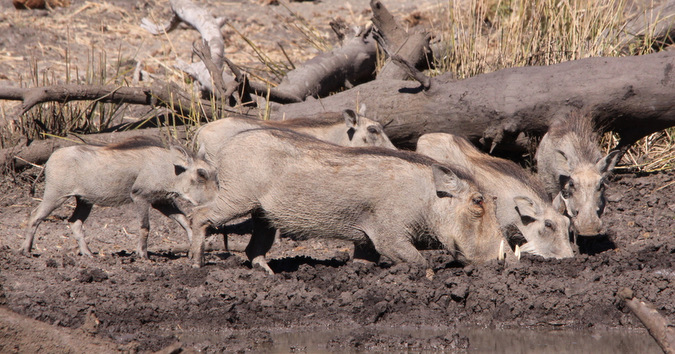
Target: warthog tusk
x,y
517,252
501,251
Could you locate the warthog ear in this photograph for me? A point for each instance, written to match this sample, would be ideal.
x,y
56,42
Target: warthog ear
x,y
446,182
560,203
526,208
562,163
351,118
607,163
180,158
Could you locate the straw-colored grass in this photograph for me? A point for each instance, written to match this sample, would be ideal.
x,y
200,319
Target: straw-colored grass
x,y
475,37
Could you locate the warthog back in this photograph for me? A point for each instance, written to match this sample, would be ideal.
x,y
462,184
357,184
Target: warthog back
x,y
375,196
137,170
351,129
521,202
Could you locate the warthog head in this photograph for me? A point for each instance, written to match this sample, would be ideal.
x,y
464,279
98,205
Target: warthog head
x,y
364,132
195,179
582,188
467,217
546,229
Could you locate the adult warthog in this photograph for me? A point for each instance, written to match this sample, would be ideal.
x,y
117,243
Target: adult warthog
x,y
351,129
138,170
570,163
521,202
383,198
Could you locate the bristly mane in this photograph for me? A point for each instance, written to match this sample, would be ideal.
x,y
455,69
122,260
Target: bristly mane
x,y
324,120
503,166
137,142
408,156
579,130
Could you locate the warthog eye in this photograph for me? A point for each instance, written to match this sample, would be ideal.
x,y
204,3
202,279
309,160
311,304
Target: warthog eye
x,y
372,130
202,174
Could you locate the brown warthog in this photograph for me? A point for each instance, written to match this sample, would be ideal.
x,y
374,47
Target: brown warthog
x,y
351,129
521,201
570,163
138,170
309,188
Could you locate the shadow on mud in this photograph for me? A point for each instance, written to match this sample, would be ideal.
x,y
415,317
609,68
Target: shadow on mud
x,y
592,245
292,264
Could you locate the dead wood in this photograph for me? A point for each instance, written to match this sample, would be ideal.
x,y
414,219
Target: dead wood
x,y
38,151
164,95
656,324
656,24
412,47
629,95
349,65
209,28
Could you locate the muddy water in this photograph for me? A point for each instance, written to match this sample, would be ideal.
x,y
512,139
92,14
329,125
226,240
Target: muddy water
x,y
472,340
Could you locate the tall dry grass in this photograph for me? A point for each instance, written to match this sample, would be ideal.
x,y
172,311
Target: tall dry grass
x,y
481,36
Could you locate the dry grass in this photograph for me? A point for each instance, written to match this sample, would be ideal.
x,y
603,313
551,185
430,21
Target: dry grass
x,y
480,36
487,35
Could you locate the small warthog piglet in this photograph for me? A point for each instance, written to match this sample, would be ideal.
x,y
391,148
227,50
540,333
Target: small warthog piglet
x,y
137,170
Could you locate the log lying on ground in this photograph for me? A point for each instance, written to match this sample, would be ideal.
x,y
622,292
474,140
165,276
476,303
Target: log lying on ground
x,y
631,96
656,324
413,47
656,24
20,157
351,64
208,27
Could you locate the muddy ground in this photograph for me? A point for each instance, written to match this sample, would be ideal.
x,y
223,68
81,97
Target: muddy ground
x,y
318,300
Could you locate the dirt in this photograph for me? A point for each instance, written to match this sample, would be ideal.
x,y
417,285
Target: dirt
x,y
319,301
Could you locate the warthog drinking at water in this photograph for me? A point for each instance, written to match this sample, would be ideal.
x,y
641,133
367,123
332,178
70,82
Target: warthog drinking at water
x,y
137,170
521,202
351,129
309,188
569,162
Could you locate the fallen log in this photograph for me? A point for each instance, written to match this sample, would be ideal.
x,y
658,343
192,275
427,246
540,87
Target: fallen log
x,y
412,47
38,151
656,324
631,96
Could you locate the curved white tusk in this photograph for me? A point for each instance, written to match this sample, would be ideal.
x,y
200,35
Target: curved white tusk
x,y
517,252
501,251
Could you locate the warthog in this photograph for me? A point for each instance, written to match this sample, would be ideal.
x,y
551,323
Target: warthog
x,y
521,202
570,163
309,188
137,170
351,129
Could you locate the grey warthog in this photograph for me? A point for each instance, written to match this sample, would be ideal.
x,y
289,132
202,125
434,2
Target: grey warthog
x,y
570,163
521,201
351,129
309,188
137,170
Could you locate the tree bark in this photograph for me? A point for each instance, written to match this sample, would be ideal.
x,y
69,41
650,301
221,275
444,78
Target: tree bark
x,y
23,156
412,47
656,324
631,96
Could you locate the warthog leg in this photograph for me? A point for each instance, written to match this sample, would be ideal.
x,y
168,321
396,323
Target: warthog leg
x,y
82,210
172,211
262,239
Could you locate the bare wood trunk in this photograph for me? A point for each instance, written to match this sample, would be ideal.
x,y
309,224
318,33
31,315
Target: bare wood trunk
x,y
23,156
656,324
630,95
413,47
